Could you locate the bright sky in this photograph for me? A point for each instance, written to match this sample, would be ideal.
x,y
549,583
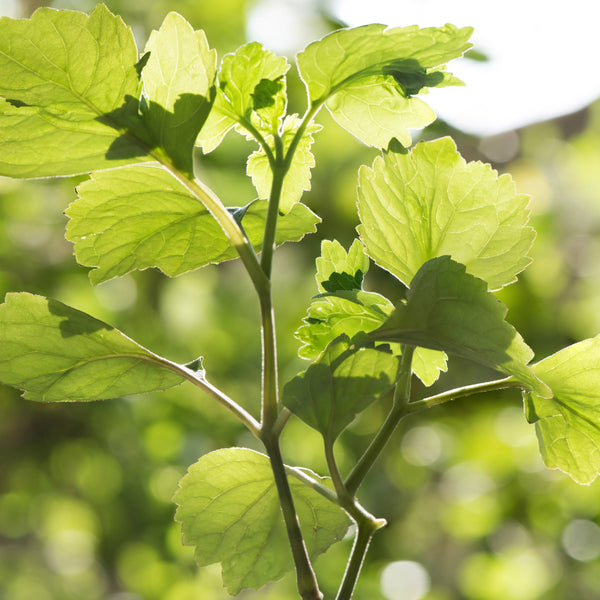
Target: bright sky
x,y
544,54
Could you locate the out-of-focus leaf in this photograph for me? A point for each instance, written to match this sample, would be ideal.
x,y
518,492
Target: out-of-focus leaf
x,y
297,178
339,385
251,90
229,510
568,424
58,354
69,85
430,202
140,217
448,309
367,76
177,82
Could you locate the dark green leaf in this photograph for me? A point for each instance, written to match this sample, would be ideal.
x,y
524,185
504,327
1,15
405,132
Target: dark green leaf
x,y
448,309
229,510
56,353
340,384
568,424
140,217
430,202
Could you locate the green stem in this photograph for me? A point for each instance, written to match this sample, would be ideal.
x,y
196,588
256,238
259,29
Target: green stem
x,y
365,531
462,392
305,576
270,386
398,411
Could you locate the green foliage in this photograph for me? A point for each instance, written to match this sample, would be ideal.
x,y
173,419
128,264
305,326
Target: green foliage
x,y
76,98
57,353
568,424
229,510
430,202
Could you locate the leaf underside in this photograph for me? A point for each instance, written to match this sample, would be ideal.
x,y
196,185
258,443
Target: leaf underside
x,y
229,510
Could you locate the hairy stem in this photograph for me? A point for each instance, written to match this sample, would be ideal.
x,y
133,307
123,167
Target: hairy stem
x,y
305,576
398,411
462,392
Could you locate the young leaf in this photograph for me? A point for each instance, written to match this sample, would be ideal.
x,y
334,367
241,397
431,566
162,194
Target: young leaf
x,y
177,83
430,202
448,309
297,178
345,308
69,85
339,385
251,92
568,424
140,217
229,510
56,353
367,77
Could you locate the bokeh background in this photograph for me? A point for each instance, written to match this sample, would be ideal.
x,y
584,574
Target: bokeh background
x,y
85,489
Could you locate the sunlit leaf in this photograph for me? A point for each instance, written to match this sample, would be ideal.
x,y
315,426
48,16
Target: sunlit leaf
x,y
367,76
430,202
344,307
297,179
568,424
448,309
177,82
229,510
56,353
70,85
339,385
251,91
140,217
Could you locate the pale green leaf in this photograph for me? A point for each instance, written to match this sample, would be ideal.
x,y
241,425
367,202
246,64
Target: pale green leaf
x,y
177,83
251,91
344,307
229,510
430,202
366,76
70,85
297,178
56,353
448,309
140,217
340,384
568,424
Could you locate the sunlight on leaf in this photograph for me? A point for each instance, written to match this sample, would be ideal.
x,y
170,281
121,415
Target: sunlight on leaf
x,y
140,217
568,424
430,202
58,354
229,510
367,76
70,85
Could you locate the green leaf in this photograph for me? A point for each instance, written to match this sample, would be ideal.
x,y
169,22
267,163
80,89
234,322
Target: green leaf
x,y
177,83
345,308
70,87
340,384
140,217
251,92
297,178
568,424
56,353
366,76
229,510
430,202
448,309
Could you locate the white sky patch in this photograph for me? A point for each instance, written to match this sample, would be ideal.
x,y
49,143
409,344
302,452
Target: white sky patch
x,y
544,56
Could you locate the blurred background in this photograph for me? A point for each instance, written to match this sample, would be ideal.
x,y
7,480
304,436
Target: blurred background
x,y
85,489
